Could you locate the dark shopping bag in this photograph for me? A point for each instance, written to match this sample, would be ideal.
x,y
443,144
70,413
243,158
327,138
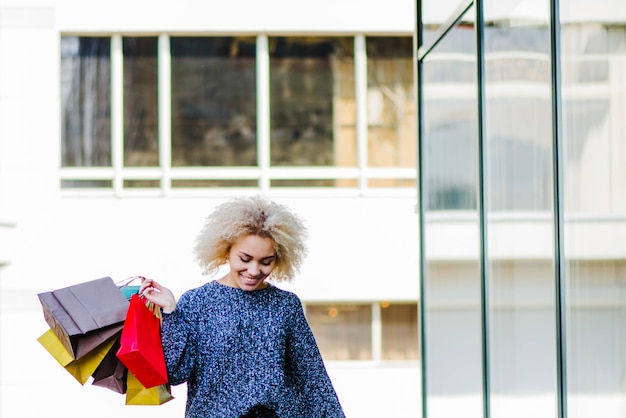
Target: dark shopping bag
x,y
140,343
85,315
111,373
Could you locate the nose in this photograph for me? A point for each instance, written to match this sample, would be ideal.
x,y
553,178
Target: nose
x,y
254,269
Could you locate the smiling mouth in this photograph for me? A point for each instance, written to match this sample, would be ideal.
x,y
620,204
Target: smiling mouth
x,y
250,279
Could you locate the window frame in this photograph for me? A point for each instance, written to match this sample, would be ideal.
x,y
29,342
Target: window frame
x,y
263,173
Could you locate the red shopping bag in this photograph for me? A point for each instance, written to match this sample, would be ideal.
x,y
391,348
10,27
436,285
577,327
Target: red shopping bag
x,y
140,343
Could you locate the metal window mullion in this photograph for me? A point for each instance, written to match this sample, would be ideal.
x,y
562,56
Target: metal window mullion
x,y
165,112
421,204
558,214
377,332
117,113
360,91
482,207
263,111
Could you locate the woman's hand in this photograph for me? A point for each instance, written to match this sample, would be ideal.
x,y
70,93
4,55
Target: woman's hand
x,y
158,295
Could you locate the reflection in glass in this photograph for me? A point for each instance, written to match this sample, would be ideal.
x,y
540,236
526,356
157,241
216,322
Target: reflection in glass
x,y
312,108
85,102
519,182
451,228
140,102
213,101
343,332
451,138
594,105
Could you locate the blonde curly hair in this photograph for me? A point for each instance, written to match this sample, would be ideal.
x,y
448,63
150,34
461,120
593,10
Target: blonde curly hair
x,y
242,216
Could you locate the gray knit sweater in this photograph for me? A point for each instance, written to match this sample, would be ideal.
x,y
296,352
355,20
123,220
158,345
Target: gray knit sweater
x,y
238,349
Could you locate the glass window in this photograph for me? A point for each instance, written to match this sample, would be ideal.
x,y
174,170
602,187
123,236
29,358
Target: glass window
x,y
399,331
141,136
391,114
519,118
449,173
449,125
312,105
343,332
213,101
85,101
519,148
594,105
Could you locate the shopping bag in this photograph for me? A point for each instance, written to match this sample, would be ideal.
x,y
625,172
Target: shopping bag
x,y
82,368
111,373
140,343
128,290
137,394
85,315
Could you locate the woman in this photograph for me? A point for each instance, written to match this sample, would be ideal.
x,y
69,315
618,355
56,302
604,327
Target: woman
x,y
243,345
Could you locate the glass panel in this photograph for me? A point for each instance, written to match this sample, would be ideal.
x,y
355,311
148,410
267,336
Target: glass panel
x,y
518,187
86,184
594,105
449,175
343,332
141,136
312,102
399,331
213,101
390,104
85,101
400,183
138,184
306,183
451,146
213,183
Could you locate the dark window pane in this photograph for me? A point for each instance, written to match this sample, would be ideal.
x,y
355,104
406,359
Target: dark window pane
x,y
213,183
213,101
399,331
343,332
140,102
85,101
303,183
391,115
86,184
312,102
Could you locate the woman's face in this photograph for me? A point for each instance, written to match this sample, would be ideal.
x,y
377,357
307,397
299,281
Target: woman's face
x,y
251,259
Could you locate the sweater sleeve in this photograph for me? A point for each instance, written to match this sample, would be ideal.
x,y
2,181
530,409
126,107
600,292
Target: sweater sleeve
x,y
177,337
306,370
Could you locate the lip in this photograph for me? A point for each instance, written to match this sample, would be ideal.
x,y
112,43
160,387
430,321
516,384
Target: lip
x,y
250,280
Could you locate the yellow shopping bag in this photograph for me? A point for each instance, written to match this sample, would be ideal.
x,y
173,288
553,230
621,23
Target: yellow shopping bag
x,y
137,394
82,368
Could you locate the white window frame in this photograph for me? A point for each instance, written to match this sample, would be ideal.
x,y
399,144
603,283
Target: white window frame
x,y
264,173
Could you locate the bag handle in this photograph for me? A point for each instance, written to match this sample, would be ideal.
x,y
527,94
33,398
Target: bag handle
x,y
127,281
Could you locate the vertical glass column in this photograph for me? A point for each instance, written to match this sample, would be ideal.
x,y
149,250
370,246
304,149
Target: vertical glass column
x,y
519,216
594,148
451,235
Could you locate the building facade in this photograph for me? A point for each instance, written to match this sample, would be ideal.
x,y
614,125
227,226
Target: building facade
x,y
123,124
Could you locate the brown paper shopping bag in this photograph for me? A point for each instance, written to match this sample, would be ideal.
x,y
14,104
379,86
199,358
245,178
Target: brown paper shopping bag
x,y
111,373
85,315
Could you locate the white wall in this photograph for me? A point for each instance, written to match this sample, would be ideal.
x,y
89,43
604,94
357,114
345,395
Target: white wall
x,y
360,249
